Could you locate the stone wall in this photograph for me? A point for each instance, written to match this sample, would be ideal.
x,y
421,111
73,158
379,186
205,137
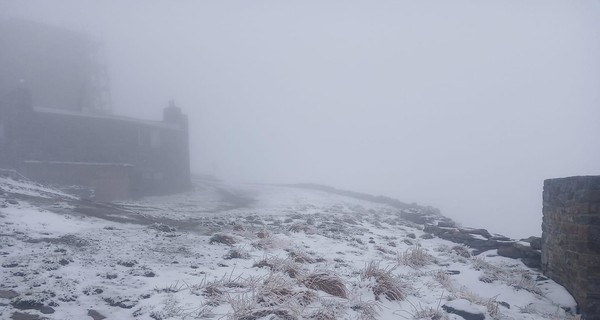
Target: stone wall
x,y
571,239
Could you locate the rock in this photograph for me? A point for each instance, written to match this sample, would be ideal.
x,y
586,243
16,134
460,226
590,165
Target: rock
x,y
24,316
481,232
149,274
121,303
12,201
95,314
8,294
465,309
529,256
536,243
457,236
127,263
411,235
509,252
427,236
23,304
46,310
446,224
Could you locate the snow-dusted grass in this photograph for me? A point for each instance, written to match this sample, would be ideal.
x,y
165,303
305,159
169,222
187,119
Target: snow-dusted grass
x,y
288,253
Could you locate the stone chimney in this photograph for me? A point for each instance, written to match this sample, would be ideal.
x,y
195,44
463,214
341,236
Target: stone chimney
x,y
173,114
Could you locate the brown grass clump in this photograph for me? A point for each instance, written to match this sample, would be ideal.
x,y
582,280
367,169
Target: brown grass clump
x,y
415,257
301,257
461,251
277,290
386,284
328,283
222,239
236,253
292,269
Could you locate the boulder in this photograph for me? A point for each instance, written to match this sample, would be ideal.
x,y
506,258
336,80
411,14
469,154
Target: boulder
x,y
465,309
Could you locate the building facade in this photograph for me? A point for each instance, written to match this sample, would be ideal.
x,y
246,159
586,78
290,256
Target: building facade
x,y
56,124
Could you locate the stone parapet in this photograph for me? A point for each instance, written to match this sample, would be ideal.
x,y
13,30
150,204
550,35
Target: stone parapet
x,y
571,239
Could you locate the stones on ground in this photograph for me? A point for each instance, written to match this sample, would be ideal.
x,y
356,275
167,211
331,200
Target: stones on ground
x,y
27,304
95,315
121,303
24,316
474,238
8,294
46,310
31,304
127,263
149,274
465,309
529,256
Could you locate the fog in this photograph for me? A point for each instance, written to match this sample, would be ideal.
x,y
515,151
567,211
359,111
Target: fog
x,y
462,105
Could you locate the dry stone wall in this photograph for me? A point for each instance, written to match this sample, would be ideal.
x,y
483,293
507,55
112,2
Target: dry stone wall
x,y
571,238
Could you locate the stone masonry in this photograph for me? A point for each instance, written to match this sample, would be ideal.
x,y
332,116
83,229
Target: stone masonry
x,y
571,239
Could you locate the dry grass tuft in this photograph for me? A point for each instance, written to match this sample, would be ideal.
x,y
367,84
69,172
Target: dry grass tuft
x,y
236,253
330,310
326,282
366,310
222,239
286,266
490,304
461,251
443,278
386,284
301,257
430,313
415,257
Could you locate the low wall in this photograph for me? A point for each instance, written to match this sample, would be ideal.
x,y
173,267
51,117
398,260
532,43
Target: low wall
x,y
571,239
109,181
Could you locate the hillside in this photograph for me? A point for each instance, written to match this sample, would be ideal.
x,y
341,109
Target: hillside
x,y
255,252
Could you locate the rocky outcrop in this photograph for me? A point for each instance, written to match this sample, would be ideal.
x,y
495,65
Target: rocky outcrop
x,y
478,239
530,256
571,239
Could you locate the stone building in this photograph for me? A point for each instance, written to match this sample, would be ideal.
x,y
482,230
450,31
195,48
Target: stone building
x,y
571,239
56,125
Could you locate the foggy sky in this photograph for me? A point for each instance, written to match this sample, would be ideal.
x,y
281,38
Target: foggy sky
x,y
463,105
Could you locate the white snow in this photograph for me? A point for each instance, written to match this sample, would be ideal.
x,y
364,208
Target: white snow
x,y
74,262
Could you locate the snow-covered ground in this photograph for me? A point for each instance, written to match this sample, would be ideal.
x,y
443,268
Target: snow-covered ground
x,y
248,252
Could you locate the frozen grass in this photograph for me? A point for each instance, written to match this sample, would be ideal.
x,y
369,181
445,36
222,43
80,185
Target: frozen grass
x,y
222,238
317,264
384,284
326,282
415,257
237,253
